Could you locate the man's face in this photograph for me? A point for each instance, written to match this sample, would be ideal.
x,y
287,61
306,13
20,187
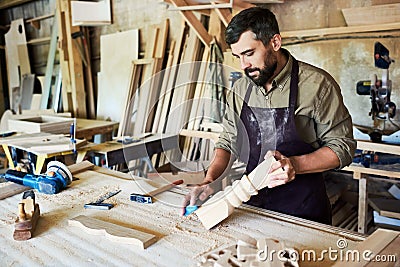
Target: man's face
x,y
259,62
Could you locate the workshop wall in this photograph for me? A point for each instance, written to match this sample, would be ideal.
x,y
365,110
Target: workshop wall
x,y
349,58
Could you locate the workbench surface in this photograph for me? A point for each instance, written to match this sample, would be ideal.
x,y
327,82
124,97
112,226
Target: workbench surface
x,y
180,240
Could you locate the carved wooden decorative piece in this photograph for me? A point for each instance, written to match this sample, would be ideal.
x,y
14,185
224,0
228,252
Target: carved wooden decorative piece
x,y
222,204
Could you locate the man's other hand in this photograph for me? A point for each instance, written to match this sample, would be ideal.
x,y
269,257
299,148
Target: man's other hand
x,y
285,164
199,192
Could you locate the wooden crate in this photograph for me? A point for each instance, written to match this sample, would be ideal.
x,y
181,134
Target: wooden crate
x,y
43,123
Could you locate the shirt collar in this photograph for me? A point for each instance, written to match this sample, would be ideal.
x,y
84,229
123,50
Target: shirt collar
x,y
282,78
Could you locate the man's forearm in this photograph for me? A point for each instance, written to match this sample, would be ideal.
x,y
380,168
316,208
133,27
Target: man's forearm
x,y
320,160
219,166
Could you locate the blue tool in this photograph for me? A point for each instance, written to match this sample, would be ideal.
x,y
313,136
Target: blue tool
x,y
56,178
148,198
190,209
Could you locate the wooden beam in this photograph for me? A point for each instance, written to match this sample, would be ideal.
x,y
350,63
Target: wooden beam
x,y
212,5
38,41
378,147
10,3
265,1
224,14
362,205
194,23
362,170
46,90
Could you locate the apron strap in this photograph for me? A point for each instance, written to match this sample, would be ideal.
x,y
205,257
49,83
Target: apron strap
x,y
294,81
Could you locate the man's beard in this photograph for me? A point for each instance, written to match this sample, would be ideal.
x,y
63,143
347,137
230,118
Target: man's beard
x,y
264,74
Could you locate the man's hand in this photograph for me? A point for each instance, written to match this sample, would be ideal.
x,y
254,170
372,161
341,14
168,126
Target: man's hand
x,y
283,163
199,192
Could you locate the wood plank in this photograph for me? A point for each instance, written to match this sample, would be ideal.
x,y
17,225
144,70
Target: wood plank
x,y
75,65
26,91
225,15
17,58
391,252
172,78
66,89
11,189
141,70
46,90
88,75
163,101
376,14
117,52
157,78
386,207
375,243
340,30
378,147
359,169
212,5
80,167
113,232
362,205
85,13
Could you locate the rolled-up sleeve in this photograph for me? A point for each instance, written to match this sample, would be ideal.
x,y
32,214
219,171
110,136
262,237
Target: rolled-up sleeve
x,y
334,127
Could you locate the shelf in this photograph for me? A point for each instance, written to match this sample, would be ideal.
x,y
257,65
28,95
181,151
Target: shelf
x,y
340,30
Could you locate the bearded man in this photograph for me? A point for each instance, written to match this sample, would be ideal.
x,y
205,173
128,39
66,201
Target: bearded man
x,y
285,108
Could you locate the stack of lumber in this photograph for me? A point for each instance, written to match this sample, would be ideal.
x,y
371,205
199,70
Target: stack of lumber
x,y
75,64
165,90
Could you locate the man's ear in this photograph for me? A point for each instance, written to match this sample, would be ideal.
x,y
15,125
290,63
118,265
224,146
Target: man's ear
x,y
276,42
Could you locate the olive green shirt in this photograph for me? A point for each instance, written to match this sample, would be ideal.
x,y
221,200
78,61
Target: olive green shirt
x,y
321,117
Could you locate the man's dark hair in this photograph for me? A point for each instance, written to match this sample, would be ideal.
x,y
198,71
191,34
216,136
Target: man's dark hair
x,y
259,20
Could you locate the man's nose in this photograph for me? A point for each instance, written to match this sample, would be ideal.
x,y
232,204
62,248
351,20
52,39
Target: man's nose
x,y
244,63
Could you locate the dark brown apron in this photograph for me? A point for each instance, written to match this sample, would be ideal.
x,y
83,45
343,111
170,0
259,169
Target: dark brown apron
x,y
264,129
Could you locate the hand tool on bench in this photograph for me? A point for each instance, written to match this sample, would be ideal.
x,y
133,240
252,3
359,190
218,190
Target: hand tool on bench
x,y
98,204
57,178
28,215
148,198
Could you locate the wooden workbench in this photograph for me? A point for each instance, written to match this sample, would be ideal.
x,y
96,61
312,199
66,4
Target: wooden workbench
x,y
115,152
42,145
362,174
86,128
181,241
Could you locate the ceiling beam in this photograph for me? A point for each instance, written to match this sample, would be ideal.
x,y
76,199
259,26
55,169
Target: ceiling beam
x,y
194,23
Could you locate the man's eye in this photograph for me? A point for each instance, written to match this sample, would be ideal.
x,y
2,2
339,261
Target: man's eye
x,y
249,54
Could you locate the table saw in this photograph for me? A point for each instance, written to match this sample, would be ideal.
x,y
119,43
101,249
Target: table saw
x,y
180,241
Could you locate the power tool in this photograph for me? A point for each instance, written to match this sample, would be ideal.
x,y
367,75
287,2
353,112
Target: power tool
x,y
379,90
57,178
